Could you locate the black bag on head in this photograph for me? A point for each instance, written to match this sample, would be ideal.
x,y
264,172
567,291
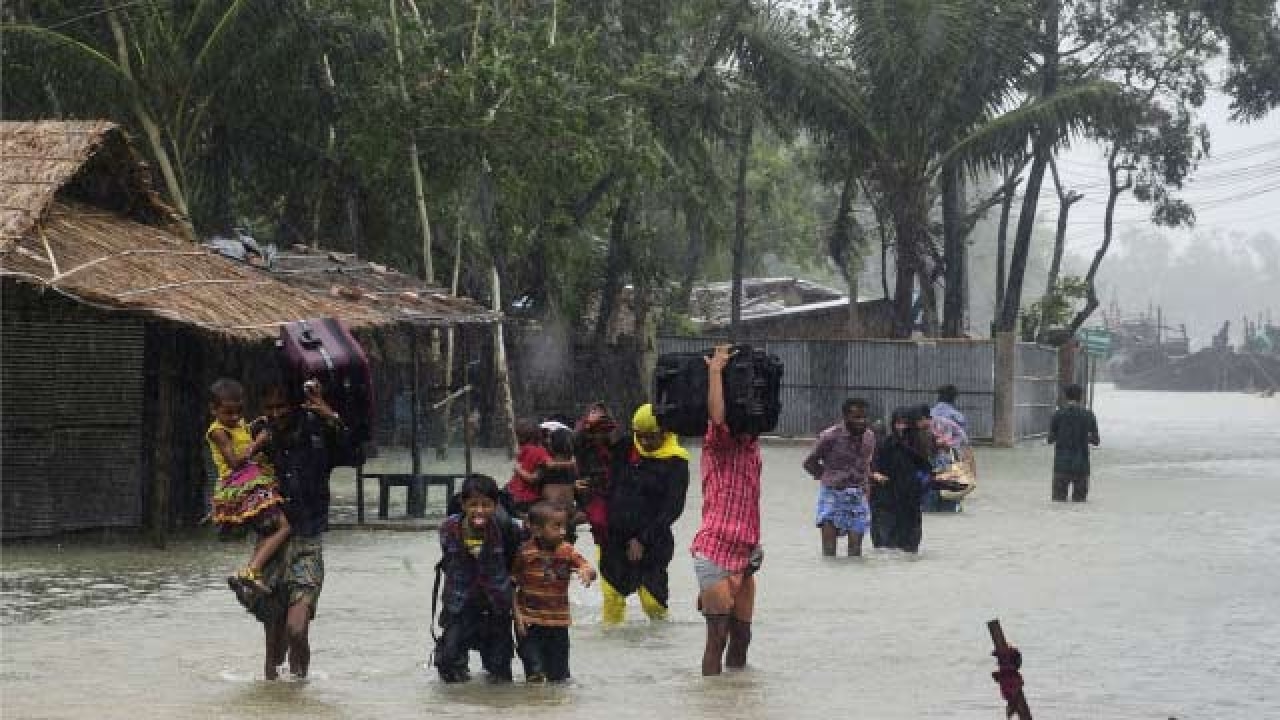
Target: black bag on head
x,y
680,393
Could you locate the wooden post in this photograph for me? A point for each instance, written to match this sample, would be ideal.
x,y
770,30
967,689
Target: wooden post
x,y
164,345
1005,367
1018,704
416,495
467,425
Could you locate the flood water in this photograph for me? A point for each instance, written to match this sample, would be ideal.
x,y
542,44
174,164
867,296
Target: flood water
x,y
1155,599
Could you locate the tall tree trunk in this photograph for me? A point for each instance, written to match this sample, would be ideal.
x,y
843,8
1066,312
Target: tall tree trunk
x,y
506,408
1065,201
615,265
1002,237
1043,149
740,226
911,234
695,219
928,301
882,232
845,248
955,265
334,177
1108,225
415,161
450,350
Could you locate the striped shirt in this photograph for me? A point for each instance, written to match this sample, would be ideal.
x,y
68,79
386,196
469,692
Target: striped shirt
x,y
542,583
730,499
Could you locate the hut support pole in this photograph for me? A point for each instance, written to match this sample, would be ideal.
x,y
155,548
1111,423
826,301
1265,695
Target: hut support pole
x,y
167,413
416,500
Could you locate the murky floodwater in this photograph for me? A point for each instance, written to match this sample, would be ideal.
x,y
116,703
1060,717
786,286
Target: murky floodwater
x,y
1156,599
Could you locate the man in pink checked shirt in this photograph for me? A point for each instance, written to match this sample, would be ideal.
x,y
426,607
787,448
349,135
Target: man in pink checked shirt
x,y
726,549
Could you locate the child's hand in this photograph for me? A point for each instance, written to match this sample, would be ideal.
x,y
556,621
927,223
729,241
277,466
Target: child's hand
x,y
588,576
879,478
522,628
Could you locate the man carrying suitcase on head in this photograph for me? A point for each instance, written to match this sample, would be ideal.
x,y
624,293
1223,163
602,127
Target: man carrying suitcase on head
x,y
308,440
726,549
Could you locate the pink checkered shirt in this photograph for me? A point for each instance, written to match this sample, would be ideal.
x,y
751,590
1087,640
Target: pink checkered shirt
x,y
730,499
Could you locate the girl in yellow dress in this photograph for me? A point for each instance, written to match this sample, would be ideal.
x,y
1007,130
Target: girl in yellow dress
x,y
246,494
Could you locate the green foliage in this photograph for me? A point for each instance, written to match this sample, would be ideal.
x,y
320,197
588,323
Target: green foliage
x,y
1054,310
535,123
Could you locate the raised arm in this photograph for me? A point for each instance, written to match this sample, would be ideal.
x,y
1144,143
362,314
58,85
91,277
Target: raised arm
x,y
715,384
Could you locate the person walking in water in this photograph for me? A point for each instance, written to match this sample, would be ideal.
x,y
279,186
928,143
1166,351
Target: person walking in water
x,y
1071,431
726,549
841,462
902,470
541,573
646,497
307,442
946,407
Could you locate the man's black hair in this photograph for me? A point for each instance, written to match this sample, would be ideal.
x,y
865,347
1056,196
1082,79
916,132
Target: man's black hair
x,y
1073,392
854,402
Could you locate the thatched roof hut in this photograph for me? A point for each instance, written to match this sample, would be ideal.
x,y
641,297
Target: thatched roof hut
x,y
78,217
115,322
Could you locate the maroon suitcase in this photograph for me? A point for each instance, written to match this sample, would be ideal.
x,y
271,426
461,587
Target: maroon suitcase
x,y
324,350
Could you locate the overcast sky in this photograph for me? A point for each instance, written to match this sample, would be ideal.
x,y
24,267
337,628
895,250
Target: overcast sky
x,y
1236,190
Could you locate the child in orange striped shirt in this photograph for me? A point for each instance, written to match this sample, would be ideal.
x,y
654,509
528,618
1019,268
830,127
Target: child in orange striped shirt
x,y
541,575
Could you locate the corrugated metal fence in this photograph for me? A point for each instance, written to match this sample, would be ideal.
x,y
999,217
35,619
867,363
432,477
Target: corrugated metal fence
x,y
1035,389
820,374
71,426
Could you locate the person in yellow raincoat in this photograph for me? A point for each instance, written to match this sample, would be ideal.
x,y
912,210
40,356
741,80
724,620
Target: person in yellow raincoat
x,y
646,496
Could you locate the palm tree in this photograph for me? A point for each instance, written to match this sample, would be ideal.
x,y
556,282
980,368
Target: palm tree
x,y
915,89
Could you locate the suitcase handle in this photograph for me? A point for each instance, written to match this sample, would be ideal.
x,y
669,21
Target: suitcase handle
x,y
306,339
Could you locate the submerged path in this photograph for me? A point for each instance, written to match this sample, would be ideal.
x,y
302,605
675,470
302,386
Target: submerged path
x,y
1156,599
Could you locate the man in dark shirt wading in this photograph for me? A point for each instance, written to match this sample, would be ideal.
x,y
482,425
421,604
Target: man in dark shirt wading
x,y
307,441
1071,432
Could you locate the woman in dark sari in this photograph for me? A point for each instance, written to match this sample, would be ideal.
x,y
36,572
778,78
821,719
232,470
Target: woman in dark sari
x,y
646,497
902,471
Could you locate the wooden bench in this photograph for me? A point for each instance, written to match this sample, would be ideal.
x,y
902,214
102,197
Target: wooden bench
x,y
415,487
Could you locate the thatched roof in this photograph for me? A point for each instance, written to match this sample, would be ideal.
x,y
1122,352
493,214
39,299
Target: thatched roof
x,y
89,160
348,277
102,259
79,218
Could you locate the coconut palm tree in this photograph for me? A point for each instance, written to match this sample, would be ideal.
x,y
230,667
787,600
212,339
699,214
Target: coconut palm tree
x,y
915,89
